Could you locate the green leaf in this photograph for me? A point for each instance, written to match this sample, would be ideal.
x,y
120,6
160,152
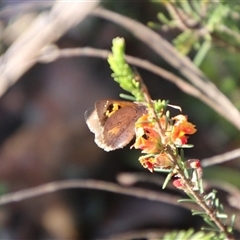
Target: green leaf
x,y
222,215
162,170
154,25
194,213
202,53
186,146
210,223
211,195
168,178
162,18
127,97
185,41
232,221
187,200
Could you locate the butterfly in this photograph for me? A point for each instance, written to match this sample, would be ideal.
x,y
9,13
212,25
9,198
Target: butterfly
x,y
113,122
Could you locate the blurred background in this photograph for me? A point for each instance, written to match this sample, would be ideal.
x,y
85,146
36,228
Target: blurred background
x,y
44,137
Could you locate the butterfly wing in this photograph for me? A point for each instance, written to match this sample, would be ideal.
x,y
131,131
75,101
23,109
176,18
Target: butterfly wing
x,y
93,123
119,127
113,122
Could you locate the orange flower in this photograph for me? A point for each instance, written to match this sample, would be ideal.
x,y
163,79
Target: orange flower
x,y
157,161
143,121
147,139
181,127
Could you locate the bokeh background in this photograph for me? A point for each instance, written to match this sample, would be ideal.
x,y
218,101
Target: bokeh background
x,y
44,137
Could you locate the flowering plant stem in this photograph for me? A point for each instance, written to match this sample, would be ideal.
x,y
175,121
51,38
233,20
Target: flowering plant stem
x,y
199,198
160,138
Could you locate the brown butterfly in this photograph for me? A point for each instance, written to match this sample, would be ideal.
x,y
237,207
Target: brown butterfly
x,y
112,122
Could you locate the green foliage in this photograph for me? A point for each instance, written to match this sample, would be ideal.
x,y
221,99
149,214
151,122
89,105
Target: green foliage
x,y
190,235
202,24
122,72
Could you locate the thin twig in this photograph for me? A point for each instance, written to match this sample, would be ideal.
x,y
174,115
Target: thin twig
x,y
183,20
174,14
91,184
221,158
129,179
233,34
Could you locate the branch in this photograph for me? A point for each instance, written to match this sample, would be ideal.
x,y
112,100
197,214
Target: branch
x,y
221,158
91,184
47,28
24,7
54,53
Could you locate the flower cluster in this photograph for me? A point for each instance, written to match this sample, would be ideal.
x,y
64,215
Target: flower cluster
x,y
174,133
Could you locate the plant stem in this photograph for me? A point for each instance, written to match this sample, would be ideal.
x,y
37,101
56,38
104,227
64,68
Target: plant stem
x,y
200,200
